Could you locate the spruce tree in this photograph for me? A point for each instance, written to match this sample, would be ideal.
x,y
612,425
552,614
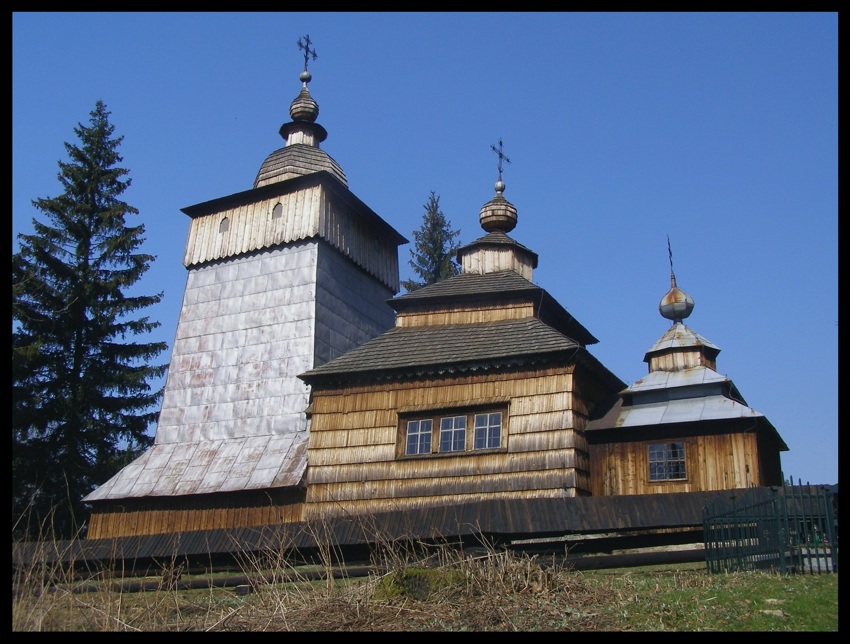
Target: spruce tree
x,y
82,393
433,255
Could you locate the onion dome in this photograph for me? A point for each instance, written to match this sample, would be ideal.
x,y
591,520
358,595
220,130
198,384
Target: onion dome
x,y
679,348
498,214
304,108
676,305
301,153
496,251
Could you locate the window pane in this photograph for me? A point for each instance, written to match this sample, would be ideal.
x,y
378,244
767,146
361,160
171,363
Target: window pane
x,y
418,437
453,434
667,461
488,430
656,453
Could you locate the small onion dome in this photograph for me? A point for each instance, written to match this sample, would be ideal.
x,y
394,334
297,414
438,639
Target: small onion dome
x,y
304,108
498,214
676,305
304,111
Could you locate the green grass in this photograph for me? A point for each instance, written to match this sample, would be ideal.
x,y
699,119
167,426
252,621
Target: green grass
x,y
750,601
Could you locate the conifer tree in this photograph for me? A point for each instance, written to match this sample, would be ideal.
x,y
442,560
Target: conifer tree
x,y
433,255
82,396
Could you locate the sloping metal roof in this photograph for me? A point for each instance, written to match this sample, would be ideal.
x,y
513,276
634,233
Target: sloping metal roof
x,y
694,381
685,410
694,376
680,336
694,395
447,349
227,465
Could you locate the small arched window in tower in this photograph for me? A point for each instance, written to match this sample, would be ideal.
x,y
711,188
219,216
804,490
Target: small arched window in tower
x,y
224,226
277,212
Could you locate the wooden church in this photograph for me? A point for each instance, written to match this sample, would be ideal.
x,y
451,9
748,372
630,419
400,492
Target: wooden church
x,y
303,387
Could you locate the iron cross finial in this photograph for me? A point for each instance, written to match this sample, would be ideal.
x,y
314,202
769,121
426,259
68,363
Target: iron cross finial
x,y
501,156
670,255
307,51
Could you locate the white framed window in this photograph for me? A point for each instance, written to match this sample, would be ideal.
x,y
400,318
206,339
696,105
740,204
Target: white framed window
x,y
418,436
453,434
446,432
667,462
488,430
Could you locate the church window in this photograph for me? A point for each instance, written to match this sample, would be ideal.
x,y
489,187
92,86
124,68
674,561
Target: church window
x,y
667,461
452,433
224,226
488,430
277,212
418,436
445,432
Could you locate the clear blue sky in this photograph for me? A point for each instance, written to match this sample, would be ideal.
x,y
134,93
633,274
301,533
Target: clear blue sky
x,y
717,129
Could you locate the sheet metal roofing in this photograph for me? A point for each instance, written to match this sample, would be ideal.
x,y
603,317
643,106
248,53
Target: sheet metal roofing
x,y
705,379
693,395
228,465
680,336
683,410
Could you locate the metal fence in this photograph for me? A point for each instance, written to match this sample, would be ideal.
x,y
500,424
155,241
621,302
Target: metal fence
x,y
789,529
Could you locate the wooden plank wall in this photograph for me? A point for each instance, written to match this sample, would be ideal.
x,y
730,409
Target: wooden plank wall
x,y
252,227
133,517
713,462
354,445
678,361
510,310
306,213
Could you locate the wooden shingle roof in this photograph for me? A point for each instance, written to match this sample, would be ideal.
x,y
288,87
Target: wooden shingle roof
x,y
500,285
418,351
492,288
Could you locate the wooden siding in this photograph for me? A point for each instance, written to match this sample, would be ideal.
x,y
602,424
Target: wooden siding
x,y
679,361
466,315
719,461
409,468
491,259
769,460
252,227
354,462
348,232
336,508
590,397
163,515
306,213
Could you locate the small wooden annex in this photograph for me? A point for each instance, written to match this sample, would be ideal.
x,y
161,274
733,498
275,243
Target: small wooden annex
x,y
684,427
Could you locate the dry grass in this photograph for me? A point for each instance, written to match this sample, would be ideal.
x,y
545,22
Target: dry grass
x,y
426,589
